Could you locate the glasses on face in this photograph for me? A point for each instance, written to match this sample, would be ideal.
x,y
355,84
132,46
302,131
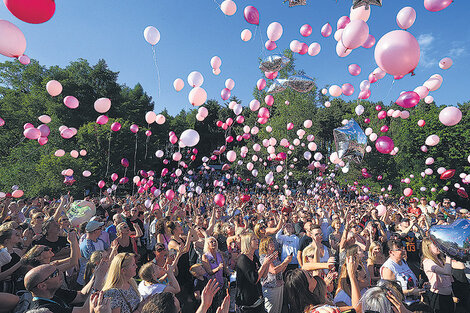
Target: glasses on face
x,y
160,249
39,217
399,249
54,274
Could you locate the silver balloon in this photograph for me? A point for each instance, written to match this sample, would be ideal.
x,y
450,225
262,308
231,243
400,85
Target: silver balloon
x,y
366,3
301,83
453,240
350,142
293,3
273,63
279,85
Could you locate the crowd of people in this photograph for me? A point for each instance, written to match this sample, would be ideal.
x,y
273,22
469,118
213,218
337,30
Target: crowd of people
x,y
258,253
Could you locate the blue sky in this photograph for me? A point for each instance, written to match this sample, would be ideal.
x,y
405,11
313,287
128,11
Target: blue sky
x,y
192,32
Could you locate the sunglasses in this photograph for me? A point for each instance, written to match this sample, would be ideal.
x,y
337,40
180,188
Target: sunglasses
x,y
160,249
54,274
40,216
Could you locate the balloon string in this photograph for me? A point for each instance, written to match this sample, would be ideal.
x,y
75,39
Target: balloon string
x,y
156,66
135,153
109,154
217,4
263,53
390,89
146,146
22,139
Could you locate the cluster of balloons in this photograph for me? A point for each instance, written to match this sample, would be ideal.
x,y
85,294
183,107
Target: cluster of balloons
x,y
40,133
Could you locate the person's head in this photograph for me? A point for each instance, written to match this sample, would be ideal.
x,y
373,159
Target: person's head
x,y
210,244
64,222
303,290
374,213
117,219
122,229
336,225
37,218
197,270
404,223
446,202
164,302
375,249
175,228
229,230
413,203
151,273
423,201
397,251
260,230
375,300
309,254
430,251
9,237
316,233
267,246
344,282
92,263
41,253
160,227
134,212
307,228
50,228
289,228
43,280
161,253
93,229
248,243
121,270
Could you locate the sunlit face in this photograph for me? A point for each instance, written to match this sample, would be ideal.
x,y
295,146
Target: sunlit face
x,y
376,250
317,235
434,249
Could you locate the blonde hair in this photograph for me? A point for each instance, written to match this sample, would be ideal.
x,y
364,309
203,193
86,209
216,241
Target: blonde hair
x,y
95,259
114,278
119,227
310,249
343,281
146,272
245,242
427,254
264,244
371,249
257,230
207,245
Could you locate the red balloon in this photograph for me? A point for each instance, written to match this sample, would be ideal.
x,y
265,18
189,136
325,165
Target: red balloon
x,y
462,193
31,11
251,15
408,99
219,199
448,174
245,198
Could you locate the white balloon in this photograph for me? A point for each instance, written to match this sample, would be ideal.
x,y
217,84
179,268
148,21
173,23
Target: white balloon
x,y
152,35
190,137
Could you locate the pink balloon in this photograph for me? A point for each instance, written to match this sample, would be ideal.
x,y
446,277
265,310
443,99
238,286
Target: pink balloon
x,y
290,126
384,144
270,45
335,91
450,116
354,69
314,49
369,43
251,15
372,78
405,114
326,30
347,89
306,30
422,91
355,34
408,99
12,40
44,129
102,119
28,125
364,94
225,94
34,12
43,140
197,96
381,115
274,31
343,21
421,123
71,102
397,52
86,173
134,128
219,199
269,99
59,153
406,17
341,50
45,119
67,133
408,192
360,13
384,129
73,154
114,176
18,193
102,105
303,48
178,84
436,5
445,63
32,133
116,126
228,7
261,83
83,152
54,88
101,184
24,59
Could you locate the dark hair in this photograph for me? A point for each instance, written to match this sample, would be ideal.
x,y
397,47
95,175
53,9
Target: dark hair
x,y
172,226
5,235
160,303
299,296
160,227
394,242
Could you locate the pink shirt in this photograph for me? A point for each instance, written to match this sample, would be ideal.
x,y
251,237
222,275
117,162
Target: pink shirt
x,y
439,277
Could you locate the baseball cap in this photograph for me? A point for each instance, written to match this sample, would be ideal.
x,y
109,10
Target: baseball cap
x,y
91,226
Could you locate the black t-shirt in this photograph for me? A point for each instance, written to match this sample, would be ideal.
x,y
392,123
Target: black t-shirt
x,y
411,245
248,287
299,227
55,246
138,221
304,242
60,303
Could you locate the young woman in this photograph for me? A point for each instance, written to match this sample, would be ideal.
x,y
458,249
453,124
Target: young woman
x,y
150,274
439,272
249,273
126,243
120,285
273,283
375,260
9,238
162,232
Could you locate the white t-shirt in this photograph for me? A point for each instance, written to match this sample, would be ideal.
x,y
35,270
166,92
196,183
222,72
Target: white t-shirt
x,y
146,291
